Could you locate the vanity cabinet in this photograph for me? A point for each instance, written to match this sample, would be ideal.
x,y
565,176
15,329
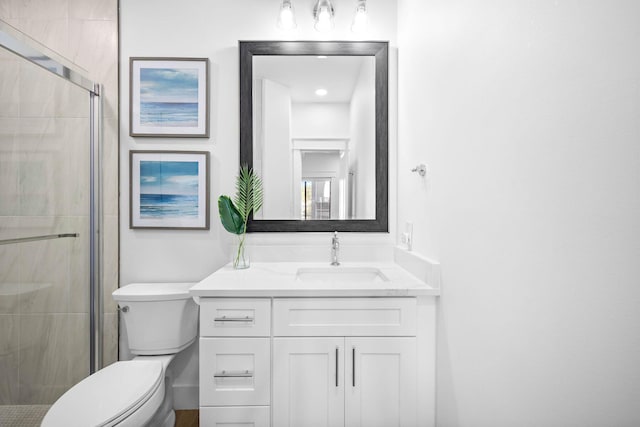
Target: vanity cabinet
x,y
344,382
296,362
344,362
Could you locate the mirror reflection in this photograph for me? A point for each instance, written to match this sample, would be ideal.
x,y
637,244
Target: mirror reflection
x,y
314,136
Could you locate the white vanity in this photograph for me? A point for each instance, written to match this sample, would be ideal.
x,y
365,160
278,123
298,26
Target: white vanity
x,y
307,344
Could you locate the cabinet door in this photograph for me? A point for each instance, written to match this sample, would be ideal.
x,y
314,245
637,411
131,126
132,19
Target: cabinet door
x,y
380,376
308,382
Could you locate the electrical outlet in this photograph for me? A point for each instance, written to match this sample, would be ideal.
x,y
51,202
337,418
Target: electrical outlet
x,y
409,235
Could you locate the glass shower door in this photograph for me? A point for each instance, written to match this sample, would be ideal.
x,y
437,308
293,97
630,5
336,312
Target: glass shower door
x,y
45,235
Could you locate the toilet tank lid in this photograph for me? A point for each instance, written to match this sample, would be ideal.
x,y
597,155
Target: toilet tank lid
x,y
153,292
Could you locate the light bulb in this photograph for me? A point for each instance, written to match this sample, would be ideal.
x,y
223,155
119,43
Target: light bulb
x,y
323,23
323,13
360,19
286,18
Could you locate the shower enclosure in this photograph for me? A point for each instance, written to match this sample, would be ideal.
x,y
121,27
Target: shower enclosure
x,y
50,219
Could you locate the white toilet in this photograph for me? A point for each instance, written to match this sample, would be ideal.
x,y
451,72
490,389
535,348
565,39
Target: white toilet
x,y
161,320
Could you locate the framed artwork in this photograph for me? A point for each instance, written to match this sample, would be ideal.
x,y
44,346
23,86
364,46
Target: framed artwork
x,y
169,97
169,189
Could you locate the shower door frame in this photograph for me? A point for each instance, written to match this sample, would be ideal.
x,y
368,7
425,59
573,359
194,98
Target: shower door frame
x,y
21,45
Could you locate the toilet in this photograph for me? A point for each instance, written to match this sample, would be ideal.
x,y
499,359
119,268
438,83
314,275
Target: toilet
x,y
161,320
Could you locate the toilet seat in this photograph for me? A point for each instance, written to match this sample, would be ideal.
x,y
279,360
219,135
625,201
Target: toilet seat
x,y
107,398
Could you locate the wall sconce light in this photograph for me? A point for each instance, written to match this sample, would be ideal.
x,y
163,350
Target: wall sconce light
x,y
359,24
323,14
286,17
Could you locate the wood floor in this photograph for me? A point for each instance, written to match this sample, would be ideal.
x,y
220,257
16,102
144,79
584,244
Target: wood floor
x,y
189,418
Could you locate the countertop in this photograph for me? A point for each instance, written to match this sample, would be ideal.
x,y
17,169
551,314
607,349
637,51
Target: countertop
x,y
279,279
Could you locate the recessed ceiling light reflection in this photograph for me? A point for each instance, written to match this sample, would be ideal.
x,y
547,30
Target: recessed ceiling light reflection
x,y
321,92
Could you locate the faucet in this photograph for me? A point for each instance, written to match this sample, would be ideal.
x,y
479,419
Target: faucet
x,y
335,248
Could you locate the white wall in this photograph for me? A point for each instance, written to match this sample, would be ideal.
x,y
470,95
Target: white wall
x,y
320,120
363,142
204,28
277,163
527,114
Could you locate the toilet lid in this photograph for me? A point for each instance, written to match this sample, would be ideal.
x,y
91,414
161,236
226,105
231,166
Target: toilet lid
x,y
107,395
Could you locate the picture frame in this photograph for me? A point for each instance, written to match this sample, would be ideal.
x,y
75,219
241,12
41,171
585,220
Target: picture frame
x,y
169,97
169,190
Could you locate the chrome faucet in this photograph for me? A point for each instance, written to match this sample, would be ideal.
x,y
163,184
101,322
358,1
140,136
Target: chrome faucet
x,y
335,248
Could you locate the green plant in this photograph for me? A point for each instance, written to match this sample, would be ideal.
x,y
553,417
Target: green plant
x,y
235,213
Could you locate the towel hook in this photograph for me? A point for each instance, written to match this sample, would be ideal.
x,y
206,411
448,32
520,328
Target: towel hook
x,y
421,169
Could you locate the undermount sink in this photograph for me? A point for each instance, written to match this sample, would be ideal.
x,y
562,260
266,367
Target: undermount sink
x,y
341,274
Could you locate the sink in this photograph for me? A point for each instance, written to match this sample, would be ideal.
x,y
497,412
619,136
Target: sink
x,y
341,274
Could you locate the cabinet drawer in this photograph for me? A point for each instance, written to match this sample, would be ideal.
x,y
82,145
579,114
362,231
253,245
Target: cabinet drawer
x,y
235,317
235,371
344,317
236,416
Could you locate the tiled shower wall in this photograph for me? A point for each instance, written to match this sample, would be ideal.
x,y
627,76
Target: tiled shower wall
x,y
48,144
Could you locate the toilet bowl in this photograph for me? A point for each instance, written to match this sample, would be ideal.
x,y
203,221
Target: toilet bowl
x,y
161,320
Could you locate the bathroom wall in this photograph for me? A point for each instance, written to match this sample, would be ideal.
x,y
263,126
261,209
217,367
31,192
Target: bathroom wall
x,y
363,131
320,120
212,29
49,147
275,143
527,115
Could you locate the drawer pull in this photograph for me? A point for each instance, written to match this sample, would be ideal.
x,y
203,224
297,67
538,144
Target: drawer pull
x,y
233,374
234,319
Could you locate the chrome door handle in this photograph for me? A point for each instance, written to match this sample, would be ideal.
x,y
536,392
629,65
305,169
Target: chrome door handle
x,y
336,366
234,319
234,374
353,367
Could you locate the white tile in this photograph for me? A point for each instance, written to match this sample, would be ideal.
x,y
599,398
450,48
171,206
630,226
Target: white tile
x,y
79,270
44,370
93,9
44,276
77,352
110,262
9,280
9,356
110,349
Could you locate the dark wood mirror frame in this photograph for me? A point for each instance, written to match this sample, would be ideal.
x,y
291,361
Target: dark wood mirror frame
x,y
379,50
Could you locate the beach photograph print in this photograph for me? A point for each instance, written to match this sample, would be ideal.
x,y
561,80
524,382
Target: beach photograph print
x,y
169,97
169,189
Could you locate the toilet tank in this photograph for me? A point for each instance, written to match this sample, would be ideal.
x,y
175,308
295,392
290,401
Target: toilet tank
x,y
160,318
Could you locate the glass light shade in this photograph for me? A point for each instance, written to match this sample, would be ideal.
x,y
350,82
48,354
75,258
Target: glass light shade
x,y
324,19
286,18
359,20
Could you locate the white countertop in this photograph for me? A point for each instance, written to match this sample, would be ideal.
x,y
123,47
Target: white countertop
x,y
279,279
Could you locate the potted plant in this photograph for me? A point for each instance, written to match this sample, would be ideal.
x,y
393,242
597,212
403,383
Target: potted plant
x,y
235,213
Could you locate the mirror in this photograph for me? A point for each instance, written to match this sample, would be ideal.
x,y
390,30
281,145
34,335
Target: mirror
x,y
313,125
